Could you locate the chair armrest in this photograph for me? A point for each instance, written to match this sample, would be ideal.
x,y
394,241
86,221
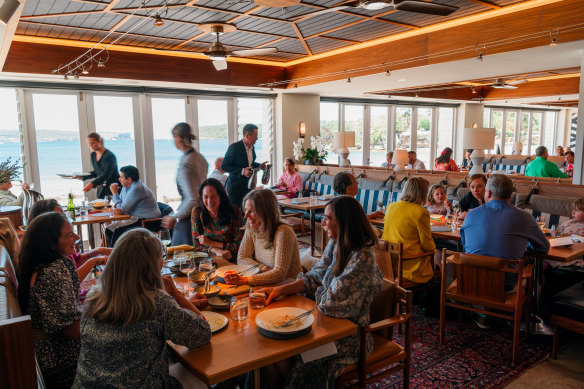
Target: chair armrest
x,y
392,321
426,254
144,221
297,214
528,271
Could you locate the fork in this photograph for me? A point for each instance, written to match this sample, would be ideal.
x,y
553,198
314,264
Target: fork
x,y
248,270
291,321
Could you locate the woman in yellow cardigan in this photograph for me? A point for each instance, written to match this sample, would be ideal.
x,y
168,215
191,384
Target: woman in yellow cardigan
x,y
408,222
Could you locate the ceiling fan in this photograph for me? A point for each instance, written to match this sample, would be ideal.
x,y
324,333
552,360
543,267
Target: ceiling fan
x,y
501,83
219,53
417,6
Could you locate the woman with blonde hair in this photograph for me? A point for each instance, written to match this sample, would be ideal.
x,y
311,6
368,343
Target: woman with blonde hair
x,y
129,317
408,222
267,242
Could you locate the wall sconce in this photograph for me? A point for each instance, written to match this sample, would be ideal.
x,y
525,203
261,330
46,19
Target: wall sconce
x,y
302,129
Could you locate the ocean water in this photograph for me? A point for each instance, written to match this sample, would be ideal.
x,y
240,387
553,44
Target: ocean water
x,y
65,157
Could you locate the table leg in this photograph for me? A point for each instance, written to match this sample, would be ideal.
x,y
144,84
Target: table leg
x,y
312,231
80,233
537,324
256,378
91,236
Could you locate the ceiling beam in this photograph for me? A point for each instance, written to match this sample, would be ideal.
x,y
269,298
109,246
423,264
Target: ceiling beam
x,y
302,39
486,4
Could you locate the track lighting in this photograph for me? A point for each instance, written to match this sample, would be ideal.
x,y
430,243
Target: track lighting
x,y
158,22
295,85
388,72
473,89
85,70
349,80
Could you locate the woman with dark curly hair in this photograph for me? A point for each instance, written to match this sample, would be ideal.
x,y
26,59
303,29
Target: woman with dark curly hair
x,y
445,162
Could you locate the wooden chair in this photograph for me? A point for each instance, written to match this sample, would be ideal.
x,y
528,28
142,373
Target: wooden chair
x,y
480,282
390,259
296,221
385,313
154,223
8,270
30,197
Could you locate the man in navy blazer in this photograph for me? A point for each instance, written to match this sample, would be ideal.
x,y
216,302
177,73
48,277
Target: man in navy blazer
x,y
239,161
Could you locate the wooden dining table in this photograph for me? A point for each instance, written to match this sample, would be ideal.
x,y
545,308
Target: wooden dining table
x,y
240,348
95,218
307,206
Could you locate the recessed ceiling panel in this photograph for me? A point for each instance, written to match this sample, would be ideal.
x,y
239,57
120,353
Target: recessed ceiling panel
x,y
289,45
324,22
42,7
263,25
320,45
371,29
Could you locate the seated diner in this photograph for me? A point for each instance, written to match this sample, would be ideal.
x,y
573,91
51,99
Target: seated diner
x,y
290,180
476,197
346,184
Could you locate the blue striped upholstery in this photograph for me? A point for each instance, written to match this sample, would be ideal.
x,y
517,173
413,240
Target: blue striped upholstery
x,y
369,198
509,169
323,189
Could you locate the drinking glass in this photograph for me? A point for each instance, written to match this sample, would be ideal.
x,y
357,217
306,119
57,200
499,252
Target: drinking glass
x,y
239,309
165,237
313,198
206,264
187,266
107,200
257,298
178,257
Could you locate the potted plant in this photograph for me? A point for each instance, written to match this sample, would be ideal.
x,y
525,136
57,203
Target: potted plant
x,y
312,156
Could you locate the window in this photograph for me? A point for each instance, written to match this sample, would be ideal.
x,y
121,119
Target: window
x,y
424,135
445,131
166,112
10,131
213,141
510,123
378,135
403,127
114,121
497,123
524,131
329,121
536,122
550,130
354,123
58,145
487,117
258,112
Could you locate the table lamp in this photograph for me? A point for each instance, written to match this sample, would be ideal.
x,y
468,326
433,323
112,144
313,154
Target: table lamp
x,y
400,159
342,142
478,139
517,148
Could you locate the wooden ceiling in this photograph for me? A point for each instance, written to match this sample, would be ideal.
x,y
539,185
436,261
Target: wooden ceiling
x,y
257,26
525,85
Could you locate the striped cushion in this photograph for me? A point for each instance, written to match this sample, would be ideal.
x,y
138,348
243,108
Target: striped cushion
x,y
369,198
509,169
323,189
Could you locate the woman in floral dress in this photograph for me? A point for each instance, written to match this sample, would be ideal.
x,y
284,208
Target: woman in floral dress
x,y
48,291
216,223
343,283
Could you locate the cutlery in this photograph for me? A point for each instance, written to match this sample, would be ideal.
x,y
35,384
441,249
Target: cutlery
x,y
290,322
248,270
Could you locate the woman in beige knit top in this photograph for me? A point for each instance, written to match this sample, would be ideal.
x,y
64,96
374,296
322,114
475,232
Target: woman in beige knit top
x,y
267,242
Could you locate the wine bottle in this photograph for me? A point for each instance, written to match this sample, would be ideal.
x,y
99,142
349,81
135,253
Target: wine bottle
x,y
71,208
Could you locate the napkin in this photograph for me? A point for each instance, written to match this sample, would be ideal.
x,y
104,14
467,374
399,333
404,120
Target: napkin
x,y
241,289
558,242
577,238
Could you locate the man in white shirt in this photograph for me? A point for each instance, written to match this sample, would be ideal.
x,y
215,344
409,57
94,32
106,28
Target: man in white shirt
x,y
414,162
217,173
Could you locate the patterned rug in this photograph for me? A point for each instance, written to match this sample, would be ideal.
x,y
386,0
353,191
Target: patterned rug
x,y
471,358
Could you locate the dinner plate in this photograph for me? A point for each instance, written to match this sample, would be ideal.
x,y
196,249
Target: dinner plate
x,y
101,214
268,320
220,302
217,321
237,268
70,176
440,228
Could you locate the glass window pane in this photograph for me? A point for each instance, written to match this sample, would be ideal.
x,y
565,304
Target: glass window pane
x,y
524,131
329,122
424,135
258,112
509,132
445,131
114,121
487,117
378,137
498,125
550,130
10,131
354,122
57,133
212,129
536,119
403,127
166,112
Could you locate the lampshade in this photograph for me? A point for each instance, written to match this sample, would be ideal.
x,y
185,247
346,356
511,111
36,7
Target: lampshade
x,y
400,157
302,129
478,138
344,139
517,147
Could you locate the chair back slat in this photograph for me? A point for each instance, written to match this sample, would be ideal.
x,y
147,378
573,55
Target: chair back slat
x,y
481,283
383,259
383,306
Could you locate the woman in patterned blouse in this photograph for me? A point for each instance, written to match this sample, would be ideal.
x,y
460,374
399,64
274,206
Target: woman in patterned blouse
x,y
445,162
48,291
216,223
128,318
343,283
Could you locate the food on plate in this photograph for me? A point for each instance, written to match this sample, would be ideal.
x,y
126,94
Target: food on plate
x,y
215,322
279,321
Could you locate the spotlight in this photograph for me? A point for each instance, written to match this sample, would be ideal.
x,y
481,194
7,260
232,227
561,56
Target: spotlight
x,y
85,70
100,64
295,85
480,56
473,89
158,22
553,42
76,76
388,72
65,77
349,80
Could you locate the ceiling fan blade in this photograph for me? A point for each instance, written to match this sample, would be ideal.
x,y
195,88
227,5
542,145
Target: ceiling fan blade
x,y
255,52
322,11
508,86
220,65
517,82
425,8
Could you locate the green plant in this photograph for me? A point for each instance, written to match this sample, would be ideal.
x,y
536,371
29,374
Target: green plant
x,y
9,170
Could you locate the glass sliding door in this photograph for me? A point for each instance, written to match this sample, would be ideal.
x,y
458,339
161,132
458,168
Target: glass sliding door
x,y
213,141
536,123
524,131
510,125
550,130
10,146
403,128
166,112
259,112
424,135
378,135
444,133
56,122
329,122
354,122
497,123
114,121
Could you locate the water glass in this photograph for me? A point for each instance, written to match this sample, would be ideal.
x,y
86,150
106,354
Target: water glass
x,y
165,237
178,257
313,198
257,298
206,264
239,309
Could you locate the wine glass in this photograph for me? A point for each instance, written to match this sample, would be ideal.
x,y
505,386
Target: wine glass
x,y
187,266
107,200
165,237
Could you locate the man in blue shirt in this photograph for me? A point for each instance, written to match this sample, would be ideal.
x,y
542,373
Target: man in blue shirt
x,y
498,228
135,199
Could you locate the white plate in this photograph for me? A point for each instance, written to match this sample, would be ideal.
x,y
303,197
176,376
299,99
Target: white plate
x,y
440,228
270,318
216,320
237,268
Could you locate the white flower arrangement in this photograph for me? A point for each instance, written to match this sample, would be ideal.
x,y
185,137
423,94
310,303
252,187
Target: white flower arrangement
x,y
319,147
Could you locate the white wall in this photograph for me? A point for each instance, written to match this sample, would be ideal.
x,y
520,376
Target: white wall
x,y
468,114
291,109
